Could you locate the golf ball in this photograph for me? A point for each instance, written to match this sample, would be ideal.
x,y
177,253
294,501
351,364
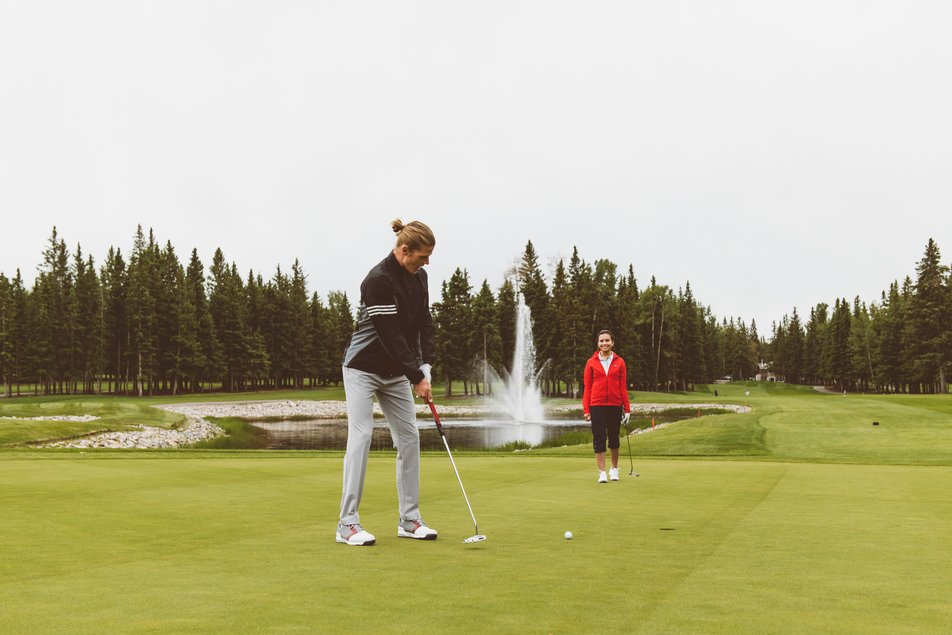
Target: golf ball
x,y
568,535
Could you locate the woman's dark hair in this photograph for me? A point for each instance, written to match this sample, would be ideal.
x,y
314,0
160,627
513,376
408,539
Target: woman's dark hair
x,y
610,334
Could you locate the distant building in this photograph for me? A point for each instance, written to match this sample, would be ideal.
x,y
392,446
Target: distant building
x,y
765,374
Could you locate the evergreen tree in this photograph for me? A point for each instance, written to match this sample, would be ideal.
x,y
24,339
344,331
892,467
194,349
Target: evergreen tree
x,y
910,374
888,333
690,335
860,346
189,357
322,363
269,311
563,331
714,346
6,326
487,340
341,327
626,328
672,359
534,291
735,348
605,314
793,371
455,351
814,366
299,340
258,365
115,318
142,312
755,350
777,360
18,333
580,324
203,360
758,350
228,307
89,326
54,318
839,344
657,309
927,331
171,315
506,315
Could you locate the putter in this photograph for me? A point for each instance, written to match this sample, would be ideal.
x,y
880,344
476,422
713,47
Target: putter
x,y
631,463
478,537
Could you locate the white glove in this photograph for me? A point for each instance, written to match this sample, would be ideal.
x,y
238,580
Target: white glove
x,y
624,419
426,370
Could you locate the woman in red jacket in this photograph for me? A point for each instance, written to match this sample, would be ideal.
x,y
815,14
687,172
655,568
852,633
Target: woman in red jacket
x,y
605,401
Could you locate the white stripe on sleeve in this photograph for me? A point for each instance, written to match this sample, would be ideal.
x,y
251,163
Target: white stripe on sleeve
x,y
382,309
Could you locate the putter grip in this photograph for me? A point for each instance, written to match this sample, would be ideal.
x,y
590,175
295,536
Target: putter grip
x,y
436,418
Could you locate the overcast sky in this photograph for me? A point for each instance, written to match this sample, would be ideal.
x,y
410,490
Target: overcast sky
x,y
774,154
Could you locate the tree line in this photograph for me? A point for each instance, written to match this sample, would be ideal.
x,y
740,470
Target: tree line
x,y
900,344
149,324
668,339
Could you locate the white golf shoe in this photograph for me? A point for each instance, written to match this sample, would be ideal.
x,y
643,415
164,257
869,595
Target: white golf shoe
x,y
354,535
416,529
602,477
613,474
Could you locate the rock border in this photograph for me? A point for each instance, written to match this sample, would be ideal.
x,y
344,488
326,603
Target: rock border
x,y
197,428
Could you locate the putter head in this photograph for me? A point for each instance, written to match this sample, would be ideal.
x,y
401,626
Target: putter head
x,y
633,474
476,538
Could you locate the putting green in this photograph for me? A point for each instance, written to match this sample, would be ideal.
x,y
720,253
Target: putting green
x,y
243,542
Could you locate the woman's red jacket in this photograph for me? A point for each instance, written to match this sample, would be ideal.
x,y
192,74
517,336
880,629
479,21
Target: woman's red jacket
x,y
602,389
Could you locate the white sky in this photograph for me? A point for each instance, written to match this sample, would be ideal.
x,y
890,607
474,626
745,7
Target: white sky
x,y
775,154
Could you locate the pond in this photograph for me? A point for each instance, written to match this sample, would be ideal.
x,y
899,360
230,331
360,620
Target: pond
x,y
331,434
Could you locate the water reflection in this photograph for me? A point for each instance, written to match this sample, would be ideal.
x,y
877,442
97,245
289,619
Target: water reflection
x,y
331,434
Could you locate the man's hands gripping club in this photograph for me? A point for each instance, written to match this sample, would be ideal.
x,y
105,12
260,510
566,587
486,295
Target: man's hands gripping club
x,y
423,389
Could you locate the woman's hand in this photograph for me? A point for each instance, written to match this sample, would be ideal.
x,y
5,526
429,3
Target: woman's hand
x,y
588,416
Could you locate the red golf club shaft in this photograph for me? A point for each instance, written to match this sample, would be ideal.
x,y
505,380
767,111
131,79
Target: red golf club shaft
x,y
436,418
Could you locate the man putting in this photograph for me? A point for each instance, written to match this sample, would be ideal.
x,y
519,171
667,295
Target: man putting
x,y
390,351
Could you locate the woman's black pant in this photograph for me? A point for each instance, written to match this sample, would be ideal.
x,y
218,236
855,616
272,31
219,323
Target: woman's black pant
x,y
606,422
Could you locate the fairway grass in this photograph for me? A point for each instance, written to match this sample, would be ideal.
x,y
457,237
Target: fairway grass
x,y
796,423
242,542
797,517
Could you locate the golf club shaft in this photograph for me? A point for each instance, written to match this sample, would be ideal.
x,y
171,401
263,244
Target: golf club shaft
x,y
631,463
465,497
439,427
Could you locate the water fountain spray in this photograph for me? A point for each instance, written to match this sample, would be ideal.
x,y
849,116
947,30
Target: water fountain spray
x,y
521,397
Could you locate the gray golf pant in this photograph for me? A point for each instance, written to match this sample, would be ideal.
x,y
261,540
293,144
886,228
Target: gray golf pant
x,y
396,401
